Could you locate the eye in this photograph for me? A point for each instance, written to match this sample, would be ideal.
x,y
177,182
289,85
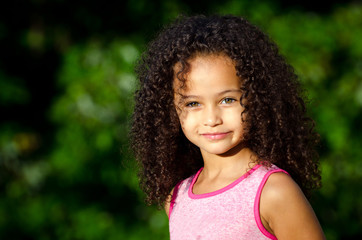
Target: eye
x,y
193,104
228,100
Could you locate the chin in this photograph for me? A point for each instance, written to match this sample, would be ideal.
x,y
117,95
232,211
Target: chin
x,y
217,151
226,151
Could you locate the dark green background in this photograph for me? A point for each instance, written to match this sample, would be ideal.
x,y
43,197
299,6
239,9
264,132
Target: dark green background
x,y
66,83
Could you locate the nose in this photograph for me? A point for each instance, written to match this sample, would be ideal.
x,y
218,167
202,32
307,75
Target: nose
x,y
212,116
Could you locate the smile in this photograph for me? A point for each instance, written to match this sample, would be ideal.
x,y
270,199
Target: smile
x,y
215,136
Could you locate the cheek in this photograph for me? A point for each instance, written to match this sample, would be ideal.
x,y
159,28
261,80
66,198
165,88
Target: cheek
x,y
183,117
184,123
188,121
233,116
233,120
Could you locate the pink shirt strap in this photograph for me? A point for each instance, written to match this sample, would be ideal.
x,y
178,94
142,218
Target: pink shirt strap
x,y
173,198
257,204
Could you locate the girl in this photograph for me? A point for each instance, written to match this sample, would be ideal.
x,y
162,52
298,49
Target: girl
x,y
218,115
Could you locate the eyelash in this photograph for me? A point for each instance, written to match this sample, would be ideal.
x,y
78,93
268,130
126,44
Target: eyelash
x,y
192,104
196,104
229,99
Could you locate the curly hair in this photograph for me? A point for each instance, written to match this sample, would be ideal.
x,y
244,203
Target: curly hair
x,y
278,130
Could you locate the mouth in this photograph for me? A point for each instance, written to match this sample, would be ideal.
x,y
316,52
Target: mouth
x,y
215,136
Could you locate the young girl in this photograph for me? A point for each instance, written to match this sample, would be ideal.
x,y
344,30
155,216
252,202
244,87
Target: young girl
x,y
218,115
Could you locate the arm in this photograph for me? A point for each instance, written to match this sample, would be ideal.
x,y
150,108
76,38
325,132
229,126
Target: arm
x,y
285,212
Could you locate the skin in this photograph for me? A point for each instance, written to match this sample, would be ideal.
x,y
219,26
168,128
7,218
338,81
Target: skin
x,y
209,110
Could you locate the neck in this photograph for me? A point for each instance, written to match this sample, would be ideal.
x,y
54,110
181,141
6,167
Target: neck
x,y
228,163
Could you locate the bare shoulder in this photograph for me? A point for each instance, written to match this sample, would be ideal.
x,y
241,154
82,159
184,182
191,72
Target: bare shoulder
x,y
285,211
279,186
168,203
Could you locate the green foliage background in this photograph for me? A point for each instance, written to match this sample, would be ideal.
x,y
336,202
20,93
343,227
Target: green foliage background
x,y
67,172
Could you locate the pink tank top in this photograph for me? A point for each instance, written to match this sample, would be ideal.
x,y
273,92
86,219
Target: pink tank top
x,y
226,214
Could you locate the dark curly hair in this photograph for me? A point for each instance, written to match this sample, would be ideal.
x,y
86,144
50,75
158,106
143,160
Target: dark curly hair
x,y
278,130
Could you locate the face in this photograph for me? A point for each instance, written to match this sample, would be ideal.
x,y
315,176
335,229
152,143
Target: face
x,y
209,106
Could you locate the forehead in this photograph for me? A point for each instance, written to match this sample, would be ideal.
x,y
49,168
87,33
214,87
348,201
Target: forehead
x,y
206,71
198,58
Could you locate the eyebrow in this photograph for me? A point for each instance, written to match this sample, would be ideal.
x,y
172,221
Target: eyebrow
x,y
219,94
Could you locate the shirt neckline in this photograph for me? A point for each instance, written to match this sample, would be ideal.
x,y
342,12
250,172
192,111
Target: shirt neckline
x,y
219,191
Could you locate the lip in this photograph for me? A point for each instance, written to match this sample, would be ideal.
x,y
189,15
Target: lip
x,y
215,136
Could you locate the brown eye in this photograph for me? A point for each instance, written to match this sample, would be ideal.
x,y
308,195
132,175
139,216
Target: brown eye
x,y
228,100
193,104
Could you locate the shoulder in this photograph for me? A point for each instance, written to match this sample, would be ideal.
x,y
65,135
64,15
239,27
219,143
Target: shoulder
x,y
181,185
280,185
279,192
168,203
285,210
171,198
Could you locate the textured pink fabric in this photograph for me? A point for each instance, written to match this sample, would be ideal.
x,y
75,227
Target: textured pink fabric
x,y
226,214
